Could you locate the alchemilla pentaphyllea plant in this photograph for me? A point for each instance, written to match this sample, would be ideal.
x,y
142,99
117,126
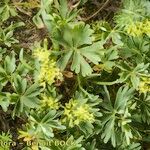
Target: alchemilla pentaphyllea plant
x,y
69,81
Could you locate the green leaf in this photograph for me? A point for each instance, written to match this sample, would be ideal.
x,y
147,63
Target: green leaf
x,y
20,84
62,62
92,52
30,102
45,122
4,101
63,8
10,64
124,94
3,76
115,121
25,96
33,90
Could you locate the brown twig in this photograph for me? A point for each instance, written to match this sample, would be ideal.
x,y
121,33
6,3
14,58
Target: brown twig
x,y
93,15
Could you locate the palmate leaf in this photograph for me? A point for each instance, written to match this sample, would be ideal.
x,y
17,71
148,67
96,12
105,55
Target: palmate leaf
x,y
136,48
65,13
7,68
6,35
45,122
74,35
132,75
123,95
133,10
7,10
117,120
44,7
9,64
77,42
53,19
4,101
63,8
108,60
25,96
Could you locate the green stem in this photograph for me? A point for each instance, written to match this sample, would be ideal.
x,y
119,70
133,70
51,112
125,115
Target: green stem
x,y
81,88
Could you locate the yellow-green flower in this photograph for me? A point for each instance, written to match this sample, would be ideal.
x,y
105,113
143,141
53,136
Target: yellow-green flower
x,y
75,113
144,86
146,27
50,102
42,55
139,28
82,114
29,137
48,69
49,72
26,136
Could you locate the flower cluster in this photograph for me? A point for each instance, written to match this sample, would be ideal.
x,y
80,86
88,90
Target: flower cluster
x,y
48,70
75,113
27,136
139,28
42,55
144,86
49,102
